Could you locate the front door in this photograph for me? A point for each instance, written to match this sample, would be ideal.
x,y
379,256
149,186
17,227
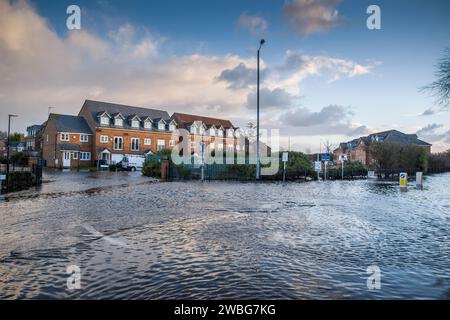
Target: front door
x,y
66,159
105,157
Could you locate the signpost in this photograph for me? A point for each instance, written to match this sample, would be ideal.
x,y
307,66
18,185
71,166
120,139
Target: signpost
x,y
325,159
419,180
318,168
285,158
343,158
403,181
202,149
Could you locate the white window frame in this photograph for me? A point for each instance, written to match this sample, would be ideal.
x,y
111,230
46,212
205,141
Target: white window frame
x,y
220,147
161,125
135,124
220,133
133,142
104,120
114,143
230,133
82,136
75,155
193,129
118,122
147,124
212,132
63,136
159,145
172,127
85,156
230,147
147,142
104,139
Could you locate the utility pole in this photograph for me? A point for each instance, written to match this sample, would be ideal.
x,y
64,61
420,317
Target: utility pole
x,y
257,113
7,151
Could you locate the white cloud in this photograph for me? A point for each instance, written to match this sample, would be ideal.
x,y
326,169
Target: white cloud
x,y
311,16
254,24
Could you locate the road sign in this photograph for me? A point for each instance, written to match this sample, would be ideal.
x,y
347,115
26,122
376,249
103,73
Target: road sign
x,y
403,179
2,177
318,166
370,174
285,157
343,157
326,157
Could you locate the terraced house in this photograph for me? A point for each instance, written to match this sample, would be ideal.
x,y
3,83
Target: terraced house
x,y
67,142
217,134
120,130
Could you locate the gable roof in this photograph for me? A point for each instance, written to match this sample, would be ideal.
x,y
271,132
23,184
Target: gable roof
x,y
393,136
98,107
186,120
72,124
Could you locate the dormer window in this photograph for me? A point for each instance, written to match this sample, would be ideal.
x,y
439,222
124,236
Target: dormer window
x,y
202,130
237,133
135,123
172,126
104,120
220,133
230,133
161,125
193,129
212,132
147,124
118,122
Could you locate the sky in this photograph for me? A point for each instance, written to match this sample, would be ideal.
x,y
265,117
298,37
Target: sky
x,y
324,75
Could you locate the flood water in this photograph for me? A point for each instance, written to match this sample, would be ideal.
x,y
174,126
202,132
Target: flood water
x,y
134,238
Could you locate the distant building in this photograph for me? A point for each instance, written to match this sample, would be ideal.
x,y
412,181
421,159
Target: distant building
x,y
356,150
120,130
217,134
33,141
67,142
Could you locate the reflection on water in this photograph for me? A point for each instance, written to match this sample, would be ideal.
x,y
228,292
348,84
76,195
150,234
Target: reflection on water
x,y
140,240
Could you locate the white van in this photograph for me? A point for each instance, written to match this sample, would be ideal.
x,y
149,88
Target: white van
x,y
132,162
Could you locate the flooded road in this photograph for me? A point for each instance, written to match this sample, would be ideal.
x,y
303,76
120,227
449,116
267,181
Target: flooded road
x,y
134,238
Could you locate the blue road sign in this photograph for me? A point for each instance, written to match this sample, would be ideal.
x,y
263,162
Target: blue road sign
x,y
326,157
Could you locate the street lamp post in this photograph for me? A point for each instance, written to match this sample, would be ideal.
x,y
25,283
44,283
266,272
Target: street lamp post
x,y
7,150
257,115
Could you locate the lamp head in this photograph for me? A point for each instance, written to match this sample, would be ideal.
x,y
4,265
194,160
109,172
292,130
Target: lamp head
x,y
262,41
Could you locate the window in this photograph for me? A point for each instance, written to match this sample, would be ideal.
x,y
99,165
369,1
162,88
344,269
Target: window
x,y
202,130
65,137
172,127
46,138
75,155
84,138
147,141
147,124
220,146
237,133
135,123
104,120
172,143
134,144
220,133
161,144
211,146
104,139
212,132
118,143
238,147
193,129
230,133
118,122
230,147
161,126
85,156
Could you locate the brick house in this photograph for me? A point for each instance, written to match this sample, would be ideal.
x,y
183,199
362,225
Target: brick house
x,y
67,142
216,134
33,141
356,150
120,130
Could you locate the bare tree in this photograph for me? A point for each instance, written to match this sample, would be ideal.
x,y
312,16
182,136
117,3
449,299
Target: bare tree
x,y
329,146
440,88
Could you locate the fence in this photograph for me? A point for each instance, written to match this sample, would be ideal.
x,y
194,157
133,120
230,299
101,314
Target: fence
x,y
20,177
